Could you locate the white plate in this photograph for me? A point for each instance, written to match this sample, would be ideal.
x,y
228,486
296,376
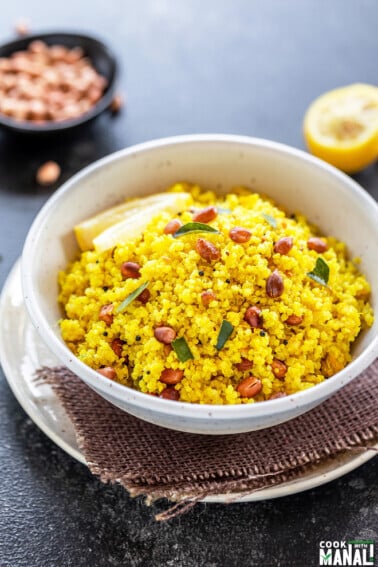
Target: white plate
x,y
22,352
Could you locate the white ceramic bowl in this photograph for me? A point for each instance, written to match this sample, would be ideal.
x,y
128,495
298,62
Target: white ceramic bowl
x,y
292,178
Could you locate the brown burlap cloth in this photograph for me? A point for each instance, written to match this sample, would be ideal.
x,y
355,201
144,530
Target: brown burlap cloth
x,y
156,462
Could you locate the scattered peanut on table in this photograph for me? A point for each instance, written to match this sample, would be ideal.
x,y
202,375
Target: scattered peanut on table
x,y
116,104
48,173
22,28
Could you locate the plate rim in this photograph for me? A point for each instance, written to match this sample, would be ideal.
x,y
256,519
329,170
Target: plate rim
x,y
295,486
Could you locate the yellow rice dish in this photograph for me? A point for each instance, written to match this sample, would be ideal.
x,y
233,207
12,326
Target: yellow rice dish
x,y
251,306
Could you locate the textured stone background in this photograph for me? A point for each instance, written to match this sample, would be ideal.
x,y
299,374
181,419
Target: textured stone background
x,y
246,67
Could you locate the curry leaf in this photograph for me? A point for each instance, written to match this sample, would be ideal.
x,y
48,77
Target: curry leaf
x,y
224,334
271,220
181,348
133,295
320,273
194,227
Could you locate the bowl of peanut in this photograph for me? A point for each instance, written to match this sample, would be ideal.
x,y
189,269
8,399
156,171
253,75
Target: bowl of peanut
x,y
54,82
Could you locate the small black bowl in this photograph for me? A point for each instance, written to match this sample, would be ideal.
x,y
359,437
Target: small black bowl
x,y
102,60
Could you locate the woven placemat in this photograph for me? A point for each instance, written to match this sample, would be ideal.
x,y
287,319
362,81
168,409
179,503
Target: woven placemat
x,y
156,462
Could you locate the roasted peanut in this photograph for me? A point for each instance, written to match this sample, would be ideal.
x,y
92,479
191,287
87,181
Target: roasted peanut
x,y
331,364
172,226
253,317
58,52
279,368
38,46
239,234
171,376
207,297
94,94
207,250
294,320
165,335
22,28
106,314
249,387
108,372
169,393
48,173
274,285
283,245
317,244
144,297
130,270
205,215
167,350
117,346
74,55
116,104
244,365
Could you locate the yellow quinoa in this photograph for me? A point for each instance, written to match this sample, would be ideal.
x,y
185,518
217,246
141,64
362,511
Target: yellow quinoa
x,y
331,316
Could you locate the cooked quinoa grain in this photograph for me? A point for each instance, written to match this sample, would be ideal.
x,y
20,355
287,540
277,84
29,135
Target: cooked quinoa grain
x,y
289,329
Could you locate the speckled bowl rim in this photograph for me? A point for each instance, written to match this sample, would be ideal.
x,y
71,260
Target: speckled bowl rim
x,y
186,409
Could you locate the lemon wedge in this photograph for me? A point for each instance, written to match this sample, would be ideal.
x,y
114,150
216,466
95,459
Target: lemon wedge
x,y
136,220
341,127
89,229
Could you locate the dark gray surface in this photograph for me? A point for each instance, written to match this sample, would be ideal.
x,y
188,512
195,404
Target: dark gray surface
x,y
247,67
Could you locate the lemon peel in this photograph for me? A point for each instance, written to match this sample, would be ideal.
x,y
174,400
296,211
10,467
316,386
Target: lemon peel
x,y
341,127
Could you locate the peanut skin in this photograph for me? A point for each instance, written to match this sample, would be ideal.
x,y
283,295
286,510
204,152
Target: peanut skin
x,y
205,215
165,335
171,376
249,387
207,250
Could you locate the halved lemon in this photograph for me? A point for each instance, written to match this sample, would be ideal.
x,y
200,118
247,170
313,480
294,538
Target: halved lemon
x,y
341,127
135,222
89,229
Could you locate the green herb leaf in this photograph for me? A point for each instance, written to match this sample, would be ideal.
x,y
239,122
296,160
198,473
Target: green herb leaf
x,y
133,295
224,334
223,210
181,348
320,273
271,220
194,227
